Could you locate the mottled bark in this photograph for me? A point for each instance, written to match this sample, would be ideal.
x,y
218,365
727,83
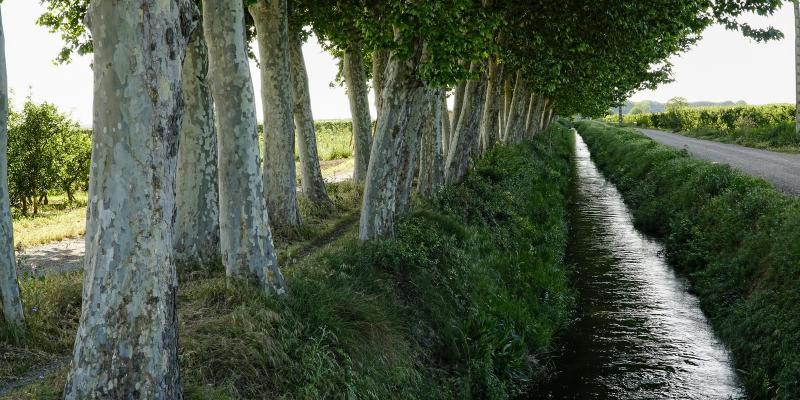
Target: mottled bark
x,y
529,114
431,166
542,120
402,94
515,124
197,195
356,80
458,102
9,288
508,93
548,119
466,135
272,31
446,134
380,58
491,110
410,153
311,181
127,341
245,237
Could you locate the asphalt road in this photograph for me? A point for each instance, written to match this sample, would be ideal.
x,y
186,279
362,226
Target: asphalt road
x,y
780,169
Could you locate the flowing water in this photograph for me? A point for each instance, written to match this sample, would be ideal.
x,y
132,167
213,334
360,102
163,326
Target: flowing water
x,y
639,333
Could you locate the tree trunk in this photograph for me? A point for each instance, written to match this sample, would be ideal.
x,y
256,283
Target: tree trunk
x,y
621,120
516,115
280,187
409,161
310,174
508,92
379,60
542,122
468,128
796,8
431,167
197,195
245,236
538,106
127,342
529,115
9,288
356,79
548,119
458,102
491,111
402,97
446,134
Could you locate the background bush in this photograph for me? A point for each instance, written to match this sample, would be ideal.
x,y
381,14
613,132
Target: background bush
x,y
47,152
735,236
767,126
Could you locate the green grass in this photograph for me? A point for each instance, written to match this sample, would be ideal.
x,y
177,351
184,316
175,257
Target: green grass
x,y
464,302
56,221
736,238
781,137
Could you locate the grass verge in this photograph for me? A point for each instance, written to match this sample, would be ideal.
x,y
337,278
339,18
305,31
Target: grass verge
x,y
736,238
464,302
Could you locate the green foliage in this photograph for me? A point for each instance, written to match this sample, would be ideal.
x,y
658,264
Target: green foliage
x,y
675,104
767,126
47,152
734,236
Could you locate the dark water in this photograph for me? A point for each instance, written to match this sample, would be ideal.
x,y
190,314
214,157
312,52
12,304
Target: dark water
x,y
640,334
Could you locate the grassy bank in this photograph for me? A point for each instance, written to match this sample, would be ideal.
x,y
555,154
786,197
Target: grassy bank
x,y
464,303
736,238
768,127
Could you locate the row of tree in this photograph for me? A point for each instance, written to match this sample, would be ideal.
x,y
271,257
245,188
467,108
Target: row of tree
x,y
176,175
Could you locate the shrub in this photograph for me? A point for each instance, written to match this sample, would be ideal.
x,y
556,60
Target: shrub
x,y
734,235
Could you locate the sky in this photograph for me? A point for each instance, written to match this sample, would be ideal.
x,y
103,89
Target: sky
x,y
722,66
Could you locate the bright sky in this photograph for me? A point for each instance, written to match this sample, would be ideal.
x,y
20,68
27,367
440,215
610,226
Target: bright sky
x,y
726,66
723,66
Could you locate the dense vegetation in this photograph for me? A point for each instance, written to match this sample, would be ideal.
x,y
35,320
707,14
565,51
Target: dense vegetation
x,y
463,303
732,234
768,126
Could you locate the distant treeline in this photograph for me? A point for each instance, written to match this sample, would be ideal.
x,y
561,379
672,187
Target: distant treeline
x,y
648,106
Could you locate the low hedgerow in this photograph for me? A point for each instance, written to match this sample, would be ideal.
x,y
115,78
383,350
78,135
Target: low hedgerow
x,y
464,302
766,126
734,235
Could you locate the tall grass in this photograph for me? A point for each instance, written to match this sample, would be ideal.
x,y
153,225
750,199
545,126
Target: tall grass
x,y
736,238
463,303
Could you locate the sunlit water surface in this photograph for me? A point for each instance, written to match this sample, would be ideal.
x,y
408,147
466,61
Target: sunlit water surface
x,y
639,333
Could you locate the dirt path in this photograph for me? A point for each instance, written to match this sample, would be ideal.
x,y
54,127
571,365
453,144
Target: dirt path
x,y
780,169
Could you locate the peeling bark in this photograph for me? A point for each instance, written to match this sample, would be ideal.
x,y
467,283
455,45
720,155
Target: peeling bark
x,y
458,102
245,237
409,161
197,195
491,110
445,127
9,288
402,94
542,117
466,135
310,174
126,345
356,80
272,31
379,60
431,166
515,124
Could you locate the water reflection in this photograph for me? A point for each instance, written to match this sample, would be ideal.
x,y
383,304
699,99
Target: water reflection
x,y
639,333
